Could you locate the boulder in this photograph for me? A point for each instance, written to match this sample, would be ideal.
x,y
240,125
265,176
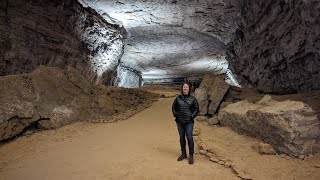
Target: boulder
x,y
62,95
213,121
201,118
18,104
202,97
263,148
291,127
210,93
50,97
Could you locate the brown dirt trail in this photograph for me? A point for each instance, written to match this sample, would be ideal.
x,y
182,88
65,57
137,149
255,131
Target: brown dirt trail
x,y
144,146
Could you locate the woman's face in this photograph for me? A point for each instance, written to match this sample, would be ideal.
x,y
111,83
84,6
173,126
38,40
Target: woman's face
x,y
185,89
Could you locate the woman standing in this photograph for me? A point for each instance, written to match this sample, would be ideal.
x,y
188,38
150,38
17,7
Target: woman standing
x,y
185,108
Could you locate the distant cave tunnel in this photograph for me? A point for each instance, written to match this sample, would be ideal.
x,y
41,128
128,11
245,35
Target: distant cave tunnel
x,y
164,44
161,55
168,42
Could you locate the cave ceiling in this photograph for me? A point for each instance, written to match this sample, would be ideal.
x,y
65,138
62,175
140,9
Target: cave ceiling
x,y
169,38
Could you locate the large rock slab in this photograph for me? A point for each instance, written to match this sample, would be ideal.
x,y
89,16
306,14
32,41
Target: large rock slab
x,y
291,127
202,97
49,97
210,93
60,98
17,107
52,97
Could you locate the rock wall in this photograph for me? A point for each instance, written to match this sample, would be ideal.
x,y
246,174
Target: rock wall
x,y
277,46
127,77
59,34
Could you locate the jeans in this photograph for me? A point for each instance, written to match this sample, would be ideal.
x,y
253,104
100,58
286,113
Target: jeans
x,y
186,130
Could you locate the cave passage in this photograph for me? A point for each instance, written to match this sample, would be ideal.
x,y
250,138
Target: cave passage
x,y
87,89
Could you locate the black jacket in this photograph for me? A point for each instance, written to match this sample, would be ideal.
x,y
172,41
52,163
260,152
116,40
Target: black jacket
x,y
185,108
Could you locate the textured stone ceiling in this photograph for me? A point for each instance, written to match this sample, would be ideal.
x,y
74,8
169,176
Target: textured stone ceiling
x,y
164,49
168,38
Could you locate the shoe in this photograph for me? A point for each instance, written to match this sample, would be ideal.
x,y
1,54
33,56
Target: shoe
x,y
182,157
191,160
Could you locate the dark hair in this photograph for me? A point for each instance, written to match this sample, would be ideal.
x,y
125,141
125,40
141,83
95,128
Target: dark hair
x,y
182,88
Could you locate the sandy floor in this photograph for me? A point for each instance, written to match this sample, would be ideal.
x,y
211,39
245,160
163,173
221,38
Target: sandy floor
x,y
145,146
161,90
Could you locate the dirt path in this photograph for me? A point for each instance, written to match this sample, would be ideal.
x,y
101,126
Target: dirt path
x,y
145,146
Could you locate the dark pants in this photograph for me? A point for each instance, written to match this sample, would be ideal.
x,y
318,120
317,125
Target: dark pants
x,y
186,130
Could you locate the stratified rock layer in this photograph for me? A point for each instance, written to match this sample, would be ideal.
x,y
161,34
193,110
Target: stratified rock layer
x,y
277,47
291,127
59,34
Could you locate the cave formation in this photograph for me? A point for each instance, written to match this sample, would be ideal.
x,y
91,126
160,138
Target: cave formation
x,y
135,43
65,61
